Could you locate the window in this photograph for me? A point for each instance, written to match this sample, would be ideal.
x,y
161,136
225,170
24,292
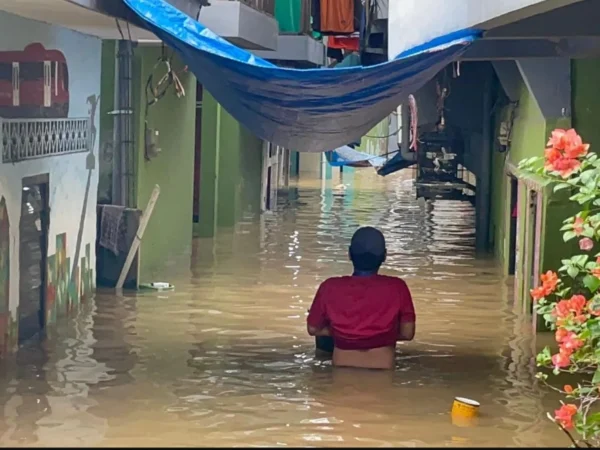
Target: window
x,y
5,71
31,71
65,76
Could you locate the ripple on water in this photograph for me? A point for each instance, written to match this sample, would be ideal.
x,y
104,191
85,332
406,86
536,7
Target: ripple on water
x,y
224,360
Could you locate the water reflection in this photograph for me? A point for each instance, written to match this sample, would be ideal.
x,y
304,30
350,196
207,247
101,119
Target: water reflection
x,y
224,359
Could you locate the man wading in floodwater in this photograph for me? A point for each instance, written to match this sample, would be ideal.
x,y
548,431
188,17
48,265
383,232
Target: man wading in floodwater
x,y
361,317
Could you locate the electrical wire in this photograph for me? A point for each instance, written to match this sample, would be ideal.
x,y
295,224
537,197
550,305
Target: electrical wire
x,y
120,29
154,93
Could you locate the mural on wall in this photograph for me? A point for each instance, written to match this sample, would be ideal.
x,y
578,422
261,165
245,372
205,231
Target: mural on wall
x,y
62,292
49,81
34,83
4,272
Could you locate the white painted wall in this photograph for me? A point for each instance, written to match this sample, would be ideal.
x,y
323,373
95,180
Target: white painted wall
x,y
414,22
68,173
235,21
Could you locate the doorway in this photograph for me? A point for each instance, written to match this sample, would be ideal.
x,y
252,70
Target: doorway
x,y
33,255
514,210
197,154
533,240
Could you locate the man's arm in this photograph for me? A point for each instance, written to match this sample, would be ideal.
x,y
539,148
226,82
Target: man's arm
x,y
407,316
316,322
406,332
314,331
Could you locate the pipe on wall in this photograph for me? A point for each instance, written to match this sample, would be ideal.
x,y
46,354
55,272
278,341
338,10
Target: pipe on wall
x,y
123,133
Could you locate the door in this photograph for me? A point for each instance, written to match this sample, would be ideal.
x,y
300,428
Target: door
x,y
16,84
33,252
197,154
514,212
47,84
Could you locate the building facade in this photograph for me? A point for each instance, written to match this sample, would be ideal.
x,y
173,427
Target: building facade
x,y
530,73
49,122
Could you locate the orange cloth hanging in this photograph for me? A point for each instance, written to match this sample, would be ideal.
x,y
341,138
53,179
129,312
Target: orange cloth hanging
x,y
337,16
343,42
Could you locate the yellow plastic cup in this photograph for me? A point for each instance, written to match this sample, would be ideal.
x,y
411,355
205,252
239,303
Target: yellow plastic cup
x,y
465,408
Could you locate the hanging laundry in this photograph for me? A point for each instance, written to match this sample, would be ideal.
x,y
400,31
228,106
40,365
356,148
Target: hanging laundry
x,y
359,15
335,53
343,42
315,11
337,16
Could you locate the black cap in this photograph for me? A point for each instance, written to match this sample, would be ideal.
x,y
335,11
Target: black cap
x,y
368,240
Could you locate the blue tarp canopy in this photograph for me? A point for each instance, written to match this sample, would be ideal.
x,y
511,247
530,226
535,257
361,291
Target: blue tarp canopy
x,y
347,156
309,110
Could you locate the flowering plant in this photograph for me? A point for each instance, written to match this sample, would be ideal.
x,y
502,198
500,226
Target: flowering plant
x,y
570,302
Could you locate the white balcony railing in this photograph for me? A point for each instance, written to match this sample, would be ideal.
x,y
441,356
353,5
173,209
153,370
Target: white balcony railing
x,y
24,139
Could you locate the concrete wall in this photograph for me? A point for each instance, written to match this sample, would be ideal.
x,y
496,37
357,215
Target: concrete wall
x,y
169,232
414,22
73,178
230,170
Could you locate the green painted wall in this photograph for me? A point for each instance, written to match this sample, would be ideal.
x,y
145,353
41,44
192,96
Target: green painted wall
x,y
530,135
529,139
586,100
230,169
169,232
375,142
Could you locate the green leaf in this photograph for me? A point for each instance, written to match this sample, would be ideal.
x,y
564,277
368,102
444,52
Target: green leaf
x,y
592,283
550,319
544,357
573,272
596,379
580,260
568,235
594,326
593,418
588,232
561,186
586,390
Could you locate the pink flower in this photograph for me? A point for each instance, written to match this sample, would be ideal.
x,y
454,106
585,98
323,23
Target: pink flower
x,y
564,416
570,343
561,359
586,244
578,226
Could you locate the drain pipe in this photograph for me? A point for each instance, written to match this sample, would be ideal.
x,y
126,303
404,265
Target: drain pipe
x,y
122,180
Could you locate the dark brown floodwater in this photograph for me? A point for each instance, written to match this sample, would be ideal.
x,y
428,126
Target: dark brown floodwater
x,y
224,359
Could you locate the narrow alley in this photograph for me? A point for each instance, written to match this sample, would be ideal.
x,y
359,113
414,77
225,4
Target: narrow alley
x,y
225,360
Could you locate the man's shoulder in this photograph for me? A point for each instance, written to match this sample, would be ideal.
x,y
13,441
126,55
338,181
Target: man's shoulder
x,y
334,280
